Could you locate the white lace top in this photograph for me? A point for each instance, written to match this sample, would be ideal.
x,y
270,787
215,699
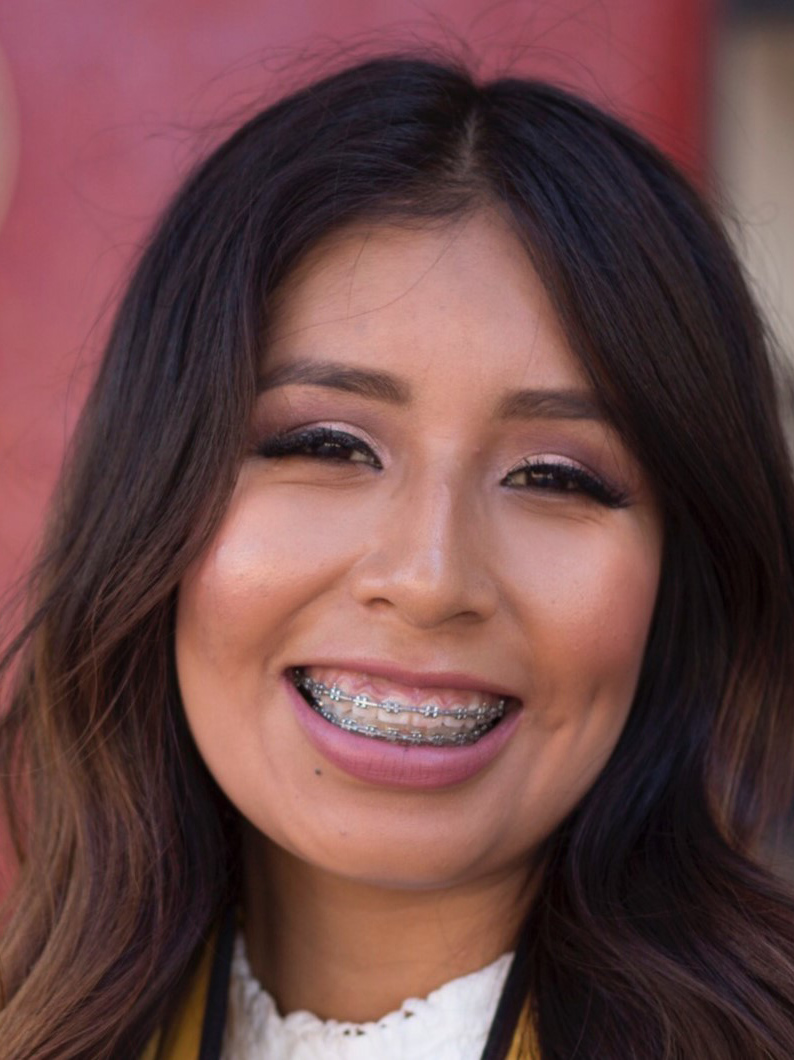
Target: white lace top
x,y
450,1024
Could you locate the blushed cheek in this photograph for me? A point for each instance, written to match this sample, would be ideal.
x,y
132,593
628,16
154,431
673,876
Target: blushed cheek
x,y
218,603
269,559
614,635
284,533
256,552
590,598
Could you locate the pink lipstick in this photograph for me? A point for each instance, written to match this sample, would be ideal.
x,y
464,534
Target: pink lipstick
x,y
395,764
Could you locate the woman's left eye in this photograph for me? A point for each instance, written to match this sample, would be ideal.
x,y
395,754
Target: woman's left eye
x,y
561,477
321,443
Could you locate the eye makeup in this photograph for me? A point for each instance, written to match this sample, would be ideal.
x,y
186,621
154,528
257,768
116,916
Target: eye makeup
x,y
545,474
322,443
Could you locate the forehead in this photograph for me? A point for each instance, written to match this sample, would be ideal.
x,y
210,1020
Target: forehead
x,y
460,299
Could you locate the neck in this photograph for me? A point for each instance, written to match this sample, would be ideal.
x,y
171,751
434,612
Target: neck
x,y
350,950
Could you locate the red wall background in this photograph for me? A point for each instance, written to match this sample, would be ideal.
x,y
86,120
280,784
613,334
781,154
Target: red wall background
x,y
113,100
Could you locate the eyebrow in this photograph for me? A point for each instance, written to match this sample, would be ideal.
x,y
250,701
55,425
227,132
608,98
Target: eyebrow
x,y
363,381
383,386
551,405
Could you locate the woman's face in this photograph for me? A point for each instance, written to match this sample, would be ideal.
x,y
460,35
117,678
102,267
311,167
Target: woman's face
x,y
433,518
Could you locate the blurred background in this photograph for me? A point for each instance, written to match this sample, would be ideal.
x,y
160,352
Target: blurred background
x,y
105,105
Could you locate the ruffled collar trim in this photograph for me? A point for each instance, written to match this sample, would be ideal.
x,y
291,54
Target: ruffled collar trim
x,y
451,1023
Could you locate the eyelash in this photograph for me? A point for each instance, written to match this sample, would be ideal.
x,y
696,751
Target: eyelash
x,y
558,476
324,443
554,476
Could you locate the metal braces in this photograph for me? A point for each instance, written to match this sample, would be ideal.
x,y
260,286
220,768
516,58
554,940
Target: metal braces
x,y
412,737
484,715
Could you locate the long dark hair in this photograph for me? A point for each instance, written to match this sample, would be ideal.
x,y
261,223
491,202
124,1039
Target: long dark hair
x,y
657,932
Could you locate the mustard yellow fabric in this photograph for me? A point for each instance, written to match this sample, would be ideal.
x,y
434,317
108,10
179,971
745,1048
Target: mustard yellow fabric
x,y
525,1045
182,1041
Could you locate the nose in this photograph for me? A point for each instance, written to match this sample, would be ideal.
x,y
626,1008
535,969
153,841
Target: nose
x,y
427,561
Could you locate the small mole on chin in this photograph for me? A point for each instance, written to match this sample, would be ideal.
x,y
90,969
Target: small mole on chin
x,y
318,772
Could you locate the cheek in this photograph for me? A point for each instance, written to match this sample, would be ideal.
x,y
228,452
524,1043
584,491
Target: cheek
x,y
590,600
269,559
586,647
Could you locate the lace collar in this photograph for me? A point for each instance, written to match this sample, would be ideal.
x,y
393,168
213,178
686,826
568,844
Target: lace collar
x,y
451,1023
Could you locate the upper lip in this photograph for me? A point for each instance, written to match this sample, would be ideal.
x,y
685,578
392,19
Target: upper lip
x,y
451,679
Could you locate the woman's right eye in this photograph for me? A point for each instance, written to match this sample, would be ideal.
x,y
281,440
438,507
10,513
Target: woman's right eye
x,y
321,443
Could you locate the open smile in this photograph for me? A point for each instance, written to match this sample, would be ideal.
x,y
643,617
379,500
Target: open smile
x,y
382,710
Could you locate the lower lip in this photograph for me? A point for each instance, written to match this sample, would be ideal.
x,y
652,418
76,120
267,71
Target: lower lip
x,y
390,765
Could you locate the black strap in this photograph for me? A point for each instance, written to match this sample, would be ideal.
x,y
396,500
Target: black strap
x,y
511,1003
218,992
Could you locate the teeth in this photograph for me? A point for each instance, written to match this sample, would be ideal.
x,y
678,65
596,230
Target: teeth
x,y
452,723
433,722
357,710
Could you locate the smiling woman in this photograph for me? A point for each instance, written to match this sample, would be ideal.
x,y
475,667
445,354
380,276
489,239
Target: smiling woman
x,y
415,621
422,552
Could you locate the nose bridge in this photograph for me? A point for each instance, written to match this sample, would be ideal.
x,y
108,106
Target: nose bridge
x,y
427,557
